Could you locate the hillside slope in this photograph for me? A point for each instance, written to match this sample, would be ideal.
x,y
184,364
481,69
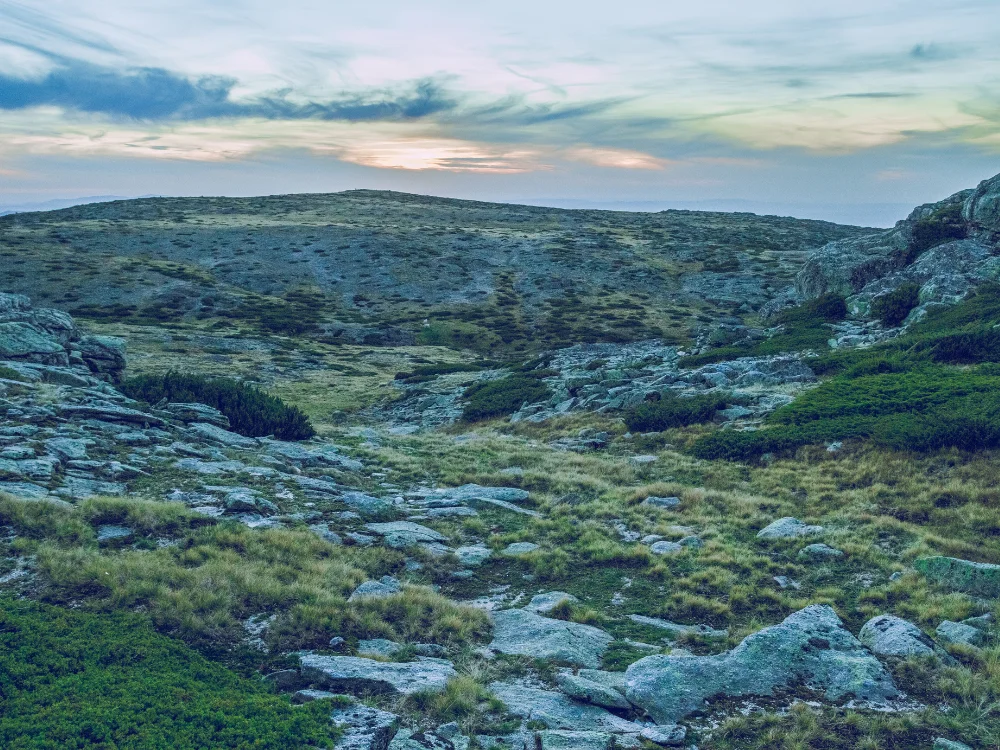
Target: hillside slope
x,y
383,267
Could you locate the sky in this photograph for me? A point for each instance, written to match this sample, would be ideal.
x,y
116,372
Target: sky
x,y
851,111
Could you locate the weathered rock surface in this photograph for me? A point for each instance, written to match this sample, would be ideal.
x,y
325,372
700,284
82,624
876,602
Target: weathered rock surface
x,y
888,635
979,579
811,646
957,632
605,689
403,534
354,674
387,586
517,631
788,528
556,711
364,728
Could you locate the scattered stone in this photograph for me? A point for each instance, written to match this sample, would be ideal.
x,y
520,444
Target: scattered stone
x,y
517,631
473,556
667,735
520,548
248,501
605,689
641,460
665,548
308,696
787,583
810,646
427,740
110,533
788,528
403,534
565,739
379,647
888,635
557,711
215,434
364,728
545,603
387,586
354,674
68,449
324,533
366,505
957,632
819,552
662,502
24,490
195,412
940,743
978,579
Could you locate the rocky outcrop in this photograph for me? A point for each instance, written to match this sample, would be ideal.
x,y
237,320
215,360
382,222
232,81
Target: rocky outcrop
x,y
982,210
354,674
811,647
518,631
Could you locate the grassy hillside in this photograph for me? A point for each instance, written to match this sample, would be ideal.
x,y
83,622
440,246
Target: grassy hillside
x,y
378,267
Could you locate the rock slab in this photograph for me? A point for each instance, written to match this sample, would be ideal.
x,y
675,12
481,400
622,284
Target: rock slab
x,y
524,633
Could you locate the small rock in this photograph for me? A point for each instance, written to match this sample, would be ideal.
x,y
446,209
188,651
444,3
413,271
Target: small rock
x,y
957,632
109,533
517,631
662,502
787,583
940,743
819,552
667,735
387,586
545,603
593,686
402,534
566,739
888,635
364,728
473,556
308,696
520,548
379,647
214,434
788,528
642,460
665,548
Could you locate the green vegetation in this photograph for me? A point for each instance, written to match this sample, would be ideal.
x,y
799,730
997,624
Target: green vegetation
x,y
78,680
496,398
9,373
251,411
892,308
906,394
944,225
672,411
803,327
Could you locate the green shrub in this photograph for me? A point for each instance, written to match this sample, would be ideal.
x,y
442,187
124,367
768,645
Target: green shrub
x,y
944,225
892,308
9,373
497,398
424,373
72,679
671,411
251,411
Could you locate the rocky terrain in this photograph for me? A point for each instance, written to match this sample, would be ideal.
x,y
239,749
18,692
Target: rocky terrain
x,y
545,577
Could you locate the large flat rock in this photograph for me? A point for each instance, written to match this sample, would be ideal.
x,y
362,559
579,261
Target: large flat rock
x,y
517,631
557,711
354,674
809,647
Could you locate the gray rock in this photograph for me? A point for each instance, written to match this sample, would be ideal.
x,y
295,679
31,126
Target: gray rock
x,y
545,603
20,340
957,632
364,728
473,556
662,502
427,740
665,548
324,533
214,434
80,488
567,739
940,743
517,631
24,490
982,207
402,534
68,449
819,552
195,412
668,735
979,579
888,635
366,505
108,412
787,583
788,528
308,696
470,492
104,355
354,674
810,647
376,589
557,711
605,689
109,533
520,548
244,501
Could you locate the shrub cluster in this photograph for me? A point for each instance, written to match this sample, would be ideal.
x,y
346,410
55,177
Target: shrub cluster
x,y
72,679
892,308
498,398
251,411
671,411
942,226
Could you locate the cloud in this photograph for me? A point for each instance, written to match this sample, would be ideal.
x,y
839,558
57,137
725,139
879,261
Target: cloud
x,y
617,158
158,94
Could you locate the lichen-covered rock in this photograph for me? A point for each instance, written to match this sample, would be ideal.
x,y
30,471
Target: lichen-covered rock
x,y
354,674
23,341
957,632
518,631
556,711
403,534
888,635
545,602
982,207
978,579
565,739
364,728
387,586
811,647
605,689
104,355
788,528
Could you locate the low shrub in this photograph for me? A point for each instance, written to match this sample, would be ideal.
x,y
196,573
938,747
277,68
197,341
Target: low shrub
x,y
251,411
892,308
497,398
72,679
671,411
944,225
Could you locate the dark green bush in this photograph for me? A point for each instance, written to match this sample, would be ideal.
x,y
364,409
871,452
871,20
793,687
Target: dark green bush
x,y
944,225
251,411
892,308
72,680
671,411
497,398
423,373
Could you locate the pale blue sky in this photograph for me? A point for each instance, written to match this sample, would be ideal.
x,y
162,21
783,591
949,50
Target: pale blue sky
x,y
848,111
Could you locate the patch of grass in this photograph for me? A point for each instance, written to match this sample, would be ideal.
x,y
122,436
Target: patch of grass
x,y
251,411
672,411
78,680
497,398
9,373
